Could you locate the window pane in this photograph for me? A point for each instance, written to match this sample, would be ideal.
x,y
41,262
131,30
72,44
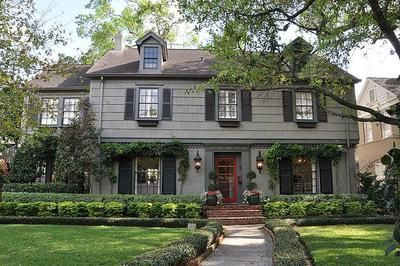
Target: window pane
x,y
148,103
49,112
304,106
227,104
150,58
147,175
70,110
302,175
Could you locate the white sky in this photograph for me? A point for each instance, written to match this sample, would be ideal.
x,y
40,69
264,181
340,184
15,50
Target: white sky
x,y
374,61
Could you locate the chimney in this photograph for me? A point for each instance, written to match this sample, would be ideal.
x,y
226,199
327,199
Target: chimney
x,y
119,43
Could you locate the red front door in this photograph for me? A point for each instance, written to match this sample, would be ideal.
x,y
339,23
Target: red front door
x,y
226,169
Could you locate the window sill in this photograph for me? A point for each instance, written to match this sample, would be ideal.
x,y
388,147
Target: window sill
x,y
147,123
227,123
306,124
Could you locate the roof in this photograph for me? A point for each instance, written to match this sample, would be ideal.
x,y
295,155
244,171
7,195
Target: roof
x,y
72,76
181,62
390,84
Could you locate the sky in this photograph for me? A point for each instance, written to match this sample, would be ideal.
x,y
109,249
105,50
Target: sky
x,y
373,61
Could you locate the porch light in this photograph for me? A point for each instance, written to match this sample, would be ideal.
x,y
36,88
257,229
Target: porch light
x,y
259,162
197,161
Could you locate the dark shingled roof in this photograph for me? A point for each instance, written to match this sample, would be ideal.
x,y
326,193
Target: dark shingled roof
x,y
69,77
391,84
181,62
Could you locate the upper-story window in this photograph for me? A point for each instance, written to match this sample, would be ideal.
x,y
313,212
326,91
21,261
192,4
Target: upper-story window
x,y
372,97
227,104
150,58
304,106
368,132
148,103
49,112
70,110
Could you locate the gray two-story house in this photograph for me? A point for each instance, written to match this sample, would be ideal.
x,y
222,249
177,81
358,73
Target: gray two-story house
x,y
147,93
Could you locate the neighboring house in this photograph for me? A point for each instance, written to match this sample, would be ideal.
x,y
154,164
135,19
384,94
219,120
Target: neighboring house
x,y
148,94
60,92
376,139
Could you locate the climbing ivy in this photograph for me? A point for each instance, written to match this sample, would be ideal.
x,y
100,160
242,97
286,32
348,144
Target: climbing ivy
x,y
279,151
111,152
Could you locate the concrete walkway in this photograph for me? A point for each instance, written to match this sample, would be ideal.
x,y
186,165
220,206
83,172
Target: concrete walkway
x,y
242,245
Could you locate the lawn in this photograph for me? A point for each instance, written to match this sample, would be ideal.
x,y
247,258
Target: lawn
x,y
79,245
349,244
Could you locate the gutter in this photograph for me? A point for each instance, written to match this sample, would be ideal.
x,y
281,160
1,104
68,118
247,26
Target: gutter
x,y
101,106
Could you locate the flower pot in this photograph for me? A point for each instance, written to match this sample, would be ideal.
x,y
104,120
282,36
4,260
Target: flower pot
x,y
254,200
212,200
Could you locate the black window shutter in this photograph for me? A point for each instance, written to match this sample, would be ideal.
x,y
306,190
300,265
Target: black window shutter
x,y
321,109
246,105
210,105
169,175
130,104
287,101
325,172
125,176
285,176
167,104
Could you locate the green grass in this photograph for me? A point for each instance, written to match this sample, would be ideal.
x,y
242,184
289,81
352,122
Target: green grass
x,y
80,245
348,244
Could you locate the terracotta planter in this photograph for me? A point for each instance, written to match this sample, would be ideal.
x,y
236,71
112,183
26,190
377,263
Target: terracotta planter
x,y
254,200
212,200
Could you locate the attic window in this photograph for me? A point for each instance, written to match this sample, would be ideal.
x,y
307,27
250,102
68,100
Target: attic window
x,y
150,59
372,95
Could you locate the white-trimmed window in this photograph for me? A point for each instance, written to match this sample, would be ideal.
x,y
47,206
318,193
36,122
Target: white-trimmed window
x,y
147,179
368,132
227,104
304,105
148,103
49,113
386,130
70,110
150,58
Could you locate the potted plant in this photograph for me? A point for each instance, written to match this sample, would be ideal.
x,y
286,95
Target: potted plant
x,y
213,196
252,195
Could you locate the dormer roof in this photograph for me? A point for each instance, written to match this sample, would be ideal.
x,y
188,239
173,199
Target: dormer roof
x,y
158,39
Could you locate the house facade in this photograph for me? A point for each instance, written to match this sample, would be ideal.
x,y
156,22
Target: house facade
x,y
376,139
149,94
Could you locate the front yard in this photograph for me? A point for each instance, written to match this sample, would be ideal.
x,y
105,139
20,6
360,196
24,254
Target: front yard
x,y
348,244
80,245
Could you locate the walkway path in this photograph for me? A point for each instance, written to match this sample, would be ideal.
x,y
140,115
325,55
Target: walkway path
x,y
242,245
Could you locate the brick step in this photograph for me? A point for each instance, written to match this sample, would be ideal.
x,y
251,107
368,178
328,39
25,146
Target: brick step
x,y
235,207
240,220
234,213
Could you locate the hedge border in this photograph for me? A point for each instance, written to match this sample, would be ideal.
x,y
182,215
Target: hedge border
x,y
342,220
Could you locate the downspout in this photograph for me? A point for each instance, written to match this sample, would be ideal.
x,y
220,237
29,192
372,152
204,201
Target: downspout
x,y
347,155
101,121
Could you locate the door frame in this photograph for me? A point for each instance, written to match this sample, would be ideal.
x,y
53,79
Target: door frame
x,y
234,199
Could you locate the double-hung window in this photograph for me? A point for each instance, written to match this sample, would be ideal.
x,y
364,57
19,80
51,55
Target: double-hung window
x,y
227,104
368,132
70,110
150,58
304,106
49,113
386,128
148,103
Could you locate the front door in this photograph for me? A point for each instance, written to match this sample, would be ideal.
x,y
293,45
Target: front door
x,y
226,168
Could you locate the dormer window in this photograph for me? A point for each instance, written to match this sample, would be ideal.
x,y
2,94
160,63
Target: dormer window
x,y
150,59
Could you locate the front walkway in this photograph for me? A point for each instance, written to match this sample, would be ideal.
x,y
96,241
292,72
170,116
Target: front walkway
x,y
242,245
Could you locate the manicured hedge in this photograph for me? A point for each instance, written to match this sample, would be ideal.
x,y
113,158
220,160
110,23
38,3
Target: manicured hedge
x,y
318,205
183,251
61,197
142,222
287,248
101,209
55,187
310,221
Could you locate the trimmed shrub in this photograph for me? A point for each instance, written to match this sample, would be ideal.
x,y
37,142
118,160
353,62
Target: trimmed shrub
x,y
132,209
114,209
96,209
353,208
27,209
68,209
369,208
156,210
47,209
311,221
7,208
144,209
328,208
297,209
190,210
55,187
318,197
168,210
287,249
276,209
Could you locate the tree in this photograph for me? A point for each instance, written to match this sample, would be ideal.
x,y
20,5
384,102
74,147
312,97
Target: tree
x,y
25,46
247,41
77,156
103,23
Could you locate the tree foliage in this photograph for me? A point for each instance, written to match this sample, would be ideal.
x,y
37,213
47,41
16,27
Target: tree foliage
x,y
247,38
138,16
25,46
77,156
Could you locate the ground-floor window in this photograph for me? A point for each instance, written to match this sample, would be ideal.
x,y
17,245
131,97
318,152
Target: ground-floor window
x,y
303,175
147,180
